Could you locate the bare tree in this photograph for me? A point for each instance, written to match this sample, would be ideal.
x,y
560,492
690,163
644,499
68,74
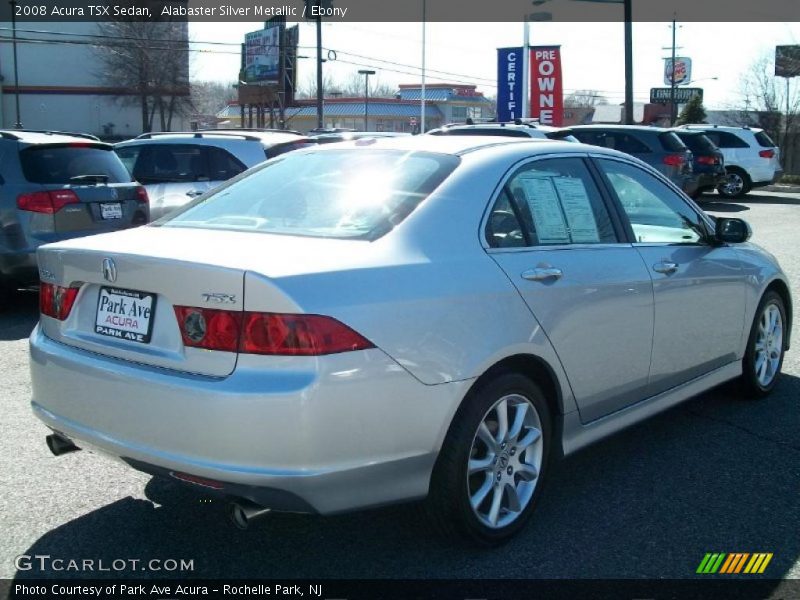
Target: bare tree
x,y
209,97
308,89
351,87
584,98
777,106
149,64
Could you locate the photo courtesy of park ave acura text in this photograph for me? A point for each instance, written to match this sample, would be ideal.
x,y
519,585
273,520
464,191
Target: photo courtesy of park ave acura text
x,y
434,299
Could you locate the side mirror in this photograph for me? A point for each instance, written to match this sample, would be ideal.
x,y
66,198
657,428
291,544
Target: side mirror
x,y
732,231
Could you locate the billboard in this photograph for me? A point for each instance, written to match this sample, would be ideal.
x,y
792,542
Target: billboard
x,y
547,95
787,61
682,71
262,54
509,84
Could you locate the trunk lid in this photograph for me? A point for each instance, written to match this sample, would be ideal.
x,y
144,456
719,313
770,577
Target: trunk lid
x,y
160,268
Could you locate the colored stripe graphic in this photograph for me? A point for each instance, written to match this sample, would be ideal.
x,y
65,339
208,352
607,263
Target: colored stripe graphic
x,y
734,563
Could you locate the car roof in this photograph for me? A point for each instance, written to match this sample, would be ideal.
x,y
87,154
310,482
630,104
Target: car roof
x,y
459,145
709,127
212,137
598,126
47,137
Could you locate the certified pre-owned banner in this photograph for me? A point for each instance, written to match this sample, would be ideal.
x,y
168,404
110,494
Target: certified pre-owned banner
x,y
547,96
509,84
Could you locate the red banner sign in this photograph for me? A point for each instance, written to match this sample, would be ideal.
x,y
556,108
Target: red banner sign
x,y
547,96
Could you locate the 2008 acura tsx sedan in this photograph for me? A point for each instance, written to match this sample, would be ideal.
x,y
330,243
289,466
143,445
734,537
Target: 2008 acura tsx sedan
x,y
384,320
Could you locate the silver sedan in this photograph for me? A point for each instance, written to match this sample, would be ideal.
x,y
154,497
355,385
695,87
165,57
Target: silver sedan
x,y
388,320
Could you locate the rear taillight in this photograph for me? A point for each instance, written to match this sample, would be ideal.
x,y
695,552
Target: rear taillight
x,y
46,202
141,195
674,160
708,160
766,153
209,329
266,333
56,301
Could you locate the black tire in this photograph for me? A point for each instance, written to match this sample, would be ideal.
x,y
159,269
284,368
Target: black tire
x,y
748,383
448,504
741,178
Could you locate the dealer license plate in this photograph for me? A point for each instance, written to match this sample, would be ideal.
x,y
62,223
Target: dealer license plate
x,y
125,314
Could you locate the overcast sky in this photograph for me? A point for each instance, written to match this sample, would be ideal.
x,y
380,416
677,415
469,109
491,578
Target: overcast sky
x,y
592,53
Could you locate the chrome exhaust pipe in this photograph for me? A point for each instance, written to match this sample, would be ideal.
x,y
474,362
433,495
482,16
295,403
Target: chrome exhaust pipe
x,y
59,445
243,512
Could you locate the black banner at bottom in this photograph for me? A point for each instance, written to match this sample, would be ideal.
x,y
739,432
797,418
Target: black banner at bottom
x,y
389,589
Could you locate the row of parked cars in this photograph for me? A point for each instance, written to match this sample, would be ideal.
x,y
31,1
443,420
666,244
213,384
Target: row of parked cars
x,y
60,185
697,158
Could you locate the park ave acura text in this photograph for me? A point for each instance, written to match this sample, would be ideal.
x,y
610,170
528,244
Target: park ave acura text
x,y
386,320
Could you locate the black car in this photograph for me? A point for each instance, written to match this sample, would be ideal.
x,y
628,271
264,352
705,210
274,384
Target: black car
x,y
707,160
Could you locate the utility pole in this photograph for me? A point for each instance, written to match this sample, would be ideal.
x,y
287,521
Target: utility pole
x,y
526,67
422,94
13,3
628,62
366,73
672,108
320,91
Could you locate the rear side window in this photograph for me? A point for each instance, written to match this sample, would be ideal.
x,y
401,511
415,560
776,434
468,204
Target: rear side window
x,y
764,140
671,142
356,194
62,163
558,203
723,139
222,164
616,140
279,149
698,143
166,163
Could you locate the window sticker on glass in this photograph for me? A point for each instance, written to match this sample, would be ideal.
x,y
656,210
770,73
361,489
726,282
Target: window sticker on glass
x,y
578,209
546,210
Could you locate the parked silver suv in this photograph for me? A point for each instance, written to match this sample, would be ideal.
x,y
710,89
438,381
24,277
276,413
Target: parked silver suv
x,y
57,186
177,167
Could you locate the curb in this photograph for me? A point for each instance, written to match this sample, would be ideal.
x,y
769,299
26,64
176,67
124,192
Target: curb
x,y
785,188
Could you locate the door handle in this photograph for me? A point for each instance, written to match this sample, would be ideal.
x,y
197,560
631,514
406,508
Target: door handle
x,y
665,267
542,274
194,193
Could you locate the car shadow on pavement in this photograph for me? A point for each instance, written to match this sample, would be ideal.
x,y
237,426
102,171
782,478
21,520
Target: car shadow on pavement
x,y
775,198
19,316
713,206
716,474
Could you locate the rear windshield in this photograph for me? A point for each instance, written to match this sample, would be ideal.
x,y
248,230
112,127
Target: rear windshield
x,y
698,143
62,164
349,193
671,142
764,140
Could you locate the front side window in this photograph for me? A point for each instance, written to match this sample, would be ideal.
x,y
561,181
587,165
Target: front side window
x,y
656,213
556,201
357,194
723,139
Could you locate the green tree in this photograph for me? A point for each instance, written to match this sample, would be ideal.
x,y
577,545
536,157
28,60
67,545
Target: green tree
x,y
693,112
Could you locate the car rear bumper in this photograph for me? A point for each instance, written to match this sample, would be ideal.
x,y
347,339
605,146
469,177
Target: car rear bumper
x,y
19,267
325,434
709,180
775,177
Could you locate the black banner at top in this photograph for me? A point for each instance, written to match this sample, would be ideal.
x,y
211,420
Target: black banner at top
x,y
399,11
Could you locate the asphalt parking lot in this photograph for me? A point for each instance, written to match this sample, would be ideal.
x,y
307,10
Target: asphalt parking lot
x,y
717,474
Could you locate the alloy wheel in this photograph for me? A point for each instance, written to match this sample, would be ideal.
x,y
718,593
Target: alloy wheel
x,y
768,345
505,461
733,185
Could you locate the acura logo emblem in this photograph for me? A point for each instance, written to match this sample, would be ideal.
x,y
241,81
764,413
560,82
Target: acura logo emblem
x,y
109,270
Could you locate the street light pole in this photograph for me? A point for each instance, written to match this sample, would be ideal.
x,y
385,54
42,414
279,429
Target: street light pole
x,y
422,94
628,62
526,67
13,3
366,73
320,91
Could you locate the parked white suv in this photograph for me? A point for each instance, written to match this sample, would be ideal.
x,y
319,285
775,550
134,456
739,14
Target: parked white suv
x,y
177,167
752,159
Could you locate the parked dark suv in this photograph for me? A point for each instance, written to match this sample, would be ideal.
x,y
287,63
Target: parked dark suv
x,y
55,186
658,147
707,160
